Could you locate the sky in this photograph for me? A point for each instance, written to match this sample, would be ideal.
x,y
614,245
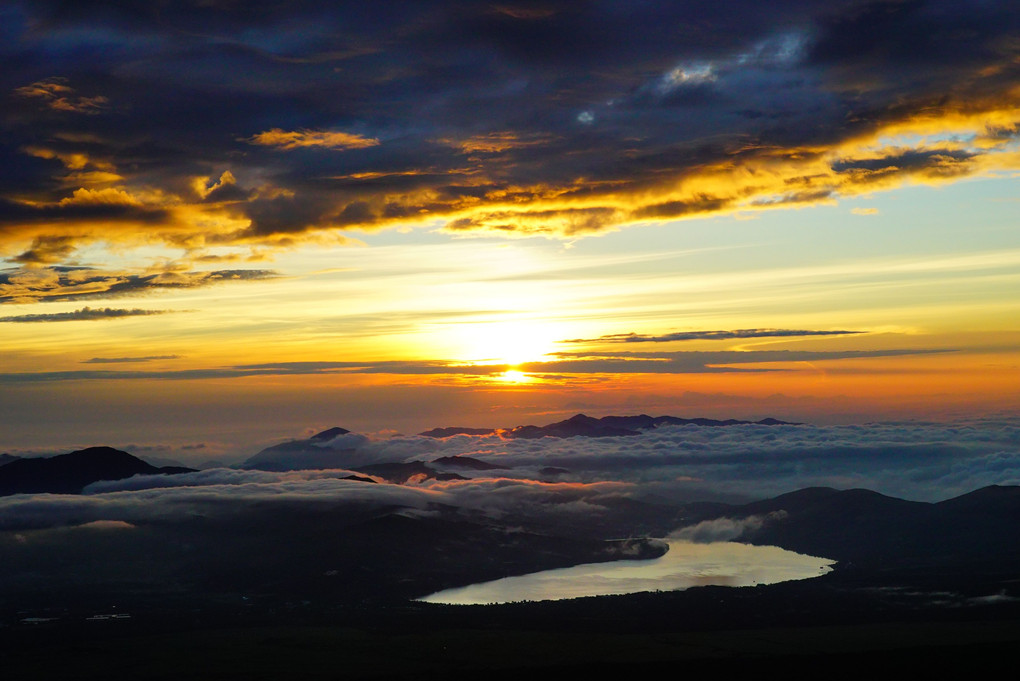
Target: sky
x,y
223,224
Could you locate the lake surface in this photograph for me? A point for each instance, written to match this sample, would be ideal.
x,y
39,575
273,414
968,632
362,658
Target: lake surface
x,y
686,564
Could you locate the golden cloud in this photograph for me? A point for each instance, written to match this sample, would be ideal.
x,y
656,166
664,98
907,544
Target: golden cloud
x,y
34,284
109,196
932,145
495,142
54,93
295,139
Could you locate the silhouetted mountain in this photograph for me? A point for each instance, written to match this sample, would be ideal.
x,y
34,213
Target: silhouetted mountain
x,y
607,426
465,462
358,478
455,430
645,422
6,458
330,433
579,425
862,527
994,498
70,473
321,451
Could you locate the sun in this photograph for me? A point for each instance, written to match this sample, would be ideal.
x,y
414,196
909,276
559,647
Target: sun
x,y
513,376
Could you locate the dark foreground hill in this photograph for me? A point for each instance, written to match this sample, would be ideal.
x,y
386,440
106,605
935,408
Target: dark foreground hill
x,y
301,594
862,528
285,590
70,473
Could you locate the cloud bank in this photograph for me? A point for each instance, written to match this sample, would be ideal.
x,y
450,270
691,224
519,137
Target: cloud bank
x,y
84,314
81,283
692,362
304,121
598,483
708,335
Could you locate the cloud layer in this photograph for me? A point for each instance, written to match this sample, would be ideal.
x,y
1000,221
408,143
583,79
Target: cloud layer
x,y
709,335
595,481
84,314
206,124
681,362
82,283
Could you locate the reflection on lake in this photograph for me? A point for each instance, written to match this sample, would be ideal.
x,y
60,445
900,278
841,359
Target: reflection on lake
x,y
686,564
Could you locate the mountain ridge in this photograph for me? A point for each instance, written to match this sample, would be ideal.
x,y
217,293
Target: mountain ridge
x,y
338,447
71,473
861,527
606,426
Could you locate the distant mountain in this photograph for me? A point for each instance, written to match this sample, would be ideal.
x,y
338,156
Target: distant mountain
x,y
465,463
340,448
581,425
6,458
329,434
70,473
645,422
455,430
358,478
332,448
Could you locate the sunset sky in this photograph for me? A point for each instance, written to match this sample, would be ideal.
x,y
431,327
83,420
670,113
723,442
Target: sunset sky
x,y
227,222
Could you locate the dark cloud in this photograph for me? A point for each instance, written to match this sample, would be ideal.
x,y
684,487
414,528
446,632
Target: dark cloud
x,y
84,314
256,123
54,93
47,249
569,363
83,207
699,362
708,335
79,283
123,360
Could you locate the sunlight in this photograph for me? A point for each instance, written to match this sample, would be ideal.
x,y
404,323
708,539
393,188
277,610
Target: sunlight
x,y
514,377
510,343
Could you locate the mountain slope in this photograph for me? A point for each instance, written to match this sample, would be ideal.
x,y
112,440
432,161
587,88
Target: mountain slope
x,y
6,458
865,528
70,473
332,448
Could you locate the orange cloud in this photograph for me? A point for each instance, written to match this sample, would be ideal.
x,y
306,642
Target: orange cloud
x,y
54,93
514,183
311,138
495,142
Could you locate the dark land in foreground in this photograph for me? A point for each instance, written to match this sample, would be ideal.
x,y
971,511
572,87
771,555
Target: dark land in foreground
x,y
902,599
839,626
289,590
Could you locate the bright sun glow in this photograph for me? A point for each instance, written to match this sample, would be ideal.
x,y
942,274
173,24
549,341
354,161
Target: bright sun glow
x,y
510,343
514,376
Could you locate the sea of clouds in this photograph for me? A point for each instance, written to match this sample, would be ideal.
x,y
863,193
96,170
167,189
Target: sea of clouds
x,y
673,464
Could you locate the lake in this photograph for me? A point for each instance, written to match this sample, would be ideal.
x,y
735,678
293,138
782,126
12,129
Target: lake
x,y
686,564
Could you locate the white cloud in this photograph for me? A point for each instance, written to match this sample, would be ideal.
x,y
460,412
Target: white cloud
x,y
686,74
671,465
723,529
